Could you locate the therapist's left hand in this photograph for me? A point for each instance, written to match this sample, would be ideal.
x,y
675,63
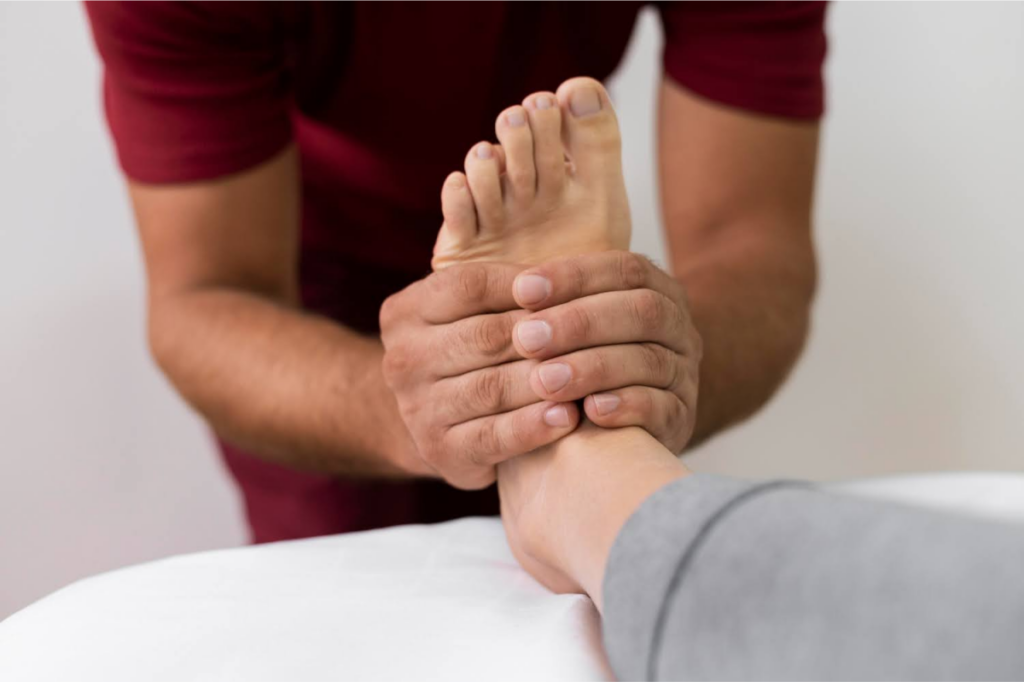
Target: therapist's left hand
x,y
614,329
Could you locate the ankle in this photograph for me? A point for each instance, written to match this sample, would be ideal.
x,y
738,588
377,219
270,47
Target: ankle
x,y
596,479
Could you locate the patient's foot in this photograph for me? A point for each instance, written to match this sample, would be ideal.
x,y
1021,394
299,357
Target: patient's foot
x,y
553,187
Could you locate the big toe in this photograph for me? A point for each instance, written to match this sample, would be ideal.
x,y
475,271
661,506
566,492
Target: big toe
x,y
590,127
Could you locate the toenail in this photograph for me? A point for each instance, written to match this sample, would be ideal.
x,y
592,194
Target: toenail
x,y
455,182
532,289
543,102
533,335
515,118
555,376
556,416
584,101
484,151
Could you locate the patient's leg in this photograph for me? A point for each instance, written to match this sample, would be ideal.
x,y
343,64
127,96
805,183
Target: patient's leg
x,y
553,188
713,577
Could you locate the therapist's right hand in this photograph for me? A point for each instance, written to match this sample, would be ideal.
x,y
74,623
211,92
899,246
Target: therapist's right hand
x,y
462,389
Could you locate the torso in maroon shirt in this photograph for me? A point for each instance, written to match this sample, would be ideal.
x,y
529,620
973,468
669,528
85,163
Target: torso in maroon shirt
x,y
383,100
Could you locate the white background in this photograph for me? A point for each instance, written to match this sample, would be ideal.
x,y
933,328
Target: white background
x,y
914,362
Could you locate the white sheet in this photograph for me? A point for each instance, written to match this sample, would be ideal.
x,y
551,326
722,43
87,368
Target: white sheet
x,y
444,602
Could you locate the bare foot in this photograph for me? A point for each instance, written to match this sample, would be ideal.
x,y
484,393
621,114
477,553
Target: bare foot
x,y
552,188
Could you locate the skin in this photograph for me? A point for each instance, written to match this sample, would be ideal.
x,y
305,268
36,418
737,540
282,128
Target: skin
x,y
740,241
225,327
554,528
737,191
562,504
521,201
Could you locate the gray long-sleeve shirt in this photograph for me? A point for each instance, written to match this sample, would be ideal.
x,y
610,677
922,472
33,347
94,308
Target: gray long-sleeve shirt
x,y
716,578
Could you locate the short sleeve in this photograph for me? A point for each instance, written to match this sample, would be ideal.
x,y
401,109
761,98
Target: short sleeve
x,y
193,90
765,57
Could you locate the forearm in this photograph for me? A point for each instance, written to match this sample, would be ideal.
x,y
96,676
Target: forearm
x,y
287,385
750,300
737,192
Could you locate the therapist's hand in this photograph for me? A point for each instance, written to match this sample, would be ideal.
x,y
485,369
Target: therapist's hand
x,y
462,389
454,346
613,328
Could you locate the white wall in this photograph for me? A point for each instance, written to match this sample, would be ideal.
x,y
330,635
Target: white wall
x,y
914,360
101,465
913,363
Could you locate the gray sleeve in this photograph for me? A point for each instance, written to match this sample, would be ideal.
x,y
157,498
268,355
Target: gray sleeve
x,y
716,578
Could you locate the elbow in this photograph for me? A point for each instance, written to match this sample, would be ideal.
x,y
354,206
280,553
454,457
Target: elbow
x,y
163,337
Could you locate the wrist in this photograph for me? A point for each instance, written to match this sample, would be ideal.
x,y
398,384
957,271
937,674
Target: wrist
x,y
386,437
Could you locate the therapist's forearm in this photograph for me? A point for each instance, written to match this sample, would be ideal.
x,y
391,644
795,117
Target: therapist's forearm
x,y
750,299
737,192
287,385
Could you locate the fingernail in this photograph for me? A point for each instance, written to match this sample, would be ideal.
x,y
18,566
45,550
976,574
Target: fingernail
x,y
515,118
584,101
532,289
556,416
533,335
543,102
554,376
484,151
605,403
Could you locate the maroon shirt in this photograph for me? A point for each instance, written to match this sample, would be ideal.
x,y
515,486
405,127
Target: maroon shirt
x,y
383,99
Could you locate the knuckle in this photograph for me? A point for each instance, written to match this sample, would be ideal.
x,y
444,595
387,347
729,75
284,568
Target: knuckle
x,y
576,323
658,364
466,283
487,391
643,403
518,434
576,275
676,428
471,283
648,310
395,366
633,269
491,336
485,440
599,367
674,413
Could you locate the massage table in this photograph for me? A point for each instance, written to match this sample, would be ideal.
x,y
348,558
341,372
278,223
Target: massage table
x,y
438,602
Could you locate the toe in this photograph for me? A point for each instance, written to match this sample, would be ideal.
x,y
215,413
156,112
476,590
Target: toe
x,y
483,172
457,207
590,128
548,153
459,226
513,130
